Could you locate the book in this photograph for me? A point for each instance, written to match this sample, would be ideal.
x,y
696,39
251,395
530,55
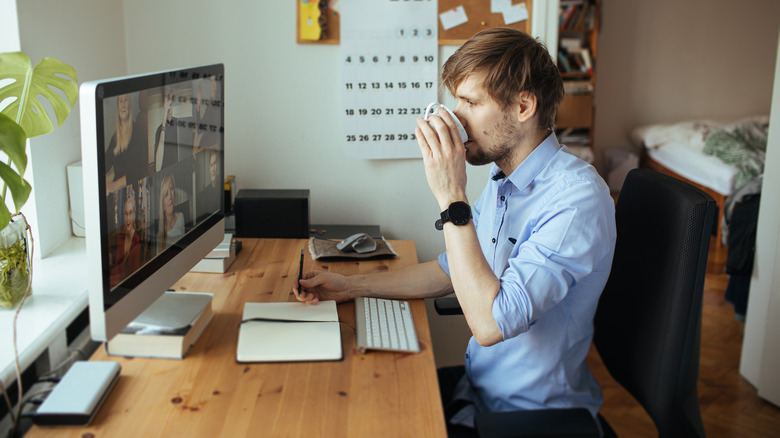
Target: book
x,y
571,43
289,332
566,14
167,329
563,63
217,265
577,87
223,249
585,53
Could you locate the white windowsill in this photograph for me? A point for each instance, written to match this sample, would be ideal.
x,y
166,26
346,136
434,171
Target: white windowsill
x,y
59,294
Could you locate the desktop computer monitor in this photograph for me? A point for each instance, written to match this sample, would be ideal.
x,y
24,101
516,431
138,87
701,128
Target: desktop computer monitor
x,y
153,169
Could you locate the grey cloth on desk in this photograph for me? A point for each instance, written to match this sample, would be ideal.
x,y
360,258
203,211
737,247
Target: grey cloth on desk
x,y
326,249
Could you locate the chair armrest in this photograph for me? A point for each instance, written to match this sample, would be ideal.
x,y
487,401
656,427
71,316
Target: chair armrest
x,y
447,306
573,422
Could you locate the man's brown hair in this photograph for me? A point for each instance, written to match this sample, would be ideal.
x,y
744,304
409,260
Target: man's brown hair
x,y
513,62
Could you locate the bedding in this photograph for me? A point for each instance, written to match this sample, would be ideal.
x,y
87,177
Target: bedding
x,y
718,156
725,154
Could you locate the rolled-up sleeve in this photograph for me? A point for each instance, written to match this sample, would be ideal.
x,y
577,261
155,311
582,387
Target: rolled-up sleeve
x,y
570,235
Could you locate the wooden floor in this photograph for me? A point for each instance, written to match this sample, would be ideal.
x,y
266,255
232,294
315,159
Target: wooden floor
x,y
729,404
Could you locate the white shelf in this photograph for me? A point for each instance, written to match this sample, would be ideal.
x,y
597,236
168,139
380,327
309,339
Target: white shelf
x,y
59,294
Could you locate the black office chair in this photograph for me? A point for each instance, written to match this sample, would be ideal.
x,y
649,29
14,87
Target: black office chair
x,y
648,322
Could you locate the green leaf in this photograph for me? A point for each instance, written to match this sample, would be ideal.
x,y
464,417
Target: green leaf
x,y
20,188
5,215
30,84
13,143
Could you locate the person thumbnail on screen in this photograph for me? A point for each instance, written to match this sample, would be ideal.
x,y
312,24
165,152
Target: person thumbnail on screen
x,y
128,244
126,156
210,183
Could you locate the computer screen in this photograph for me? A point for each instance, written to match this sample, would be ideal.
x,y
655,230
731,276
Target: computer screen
x,y
153,166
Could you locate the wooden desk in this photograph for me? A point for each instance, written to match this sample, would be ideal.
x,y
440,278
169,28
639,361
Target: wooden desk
x,y
209,395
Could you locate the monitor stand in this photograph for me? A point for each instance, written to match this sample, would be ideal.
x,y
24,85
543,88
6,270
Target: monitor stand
x,y
167,329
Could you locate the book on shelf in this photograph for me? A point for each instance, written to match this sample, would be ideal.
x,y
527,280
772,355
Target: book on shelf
x,y
167,329
587,60
571,42
575,60
289,332
576,15
563,62
567,10
577,87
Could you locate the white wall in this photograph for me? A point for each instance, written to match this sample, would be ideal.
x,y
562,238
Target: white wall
x,y
283,104
9,27
88,35
761,347
283,122
283,113
666,60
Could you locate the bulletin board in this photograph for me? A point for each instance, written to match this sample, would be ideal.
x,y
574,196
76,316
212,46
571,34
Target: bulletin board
x,y
478,12
480,17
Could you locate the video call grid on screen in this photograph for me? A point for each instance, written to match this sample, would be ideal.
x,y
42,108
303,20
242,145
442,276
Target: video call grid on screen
x,y
163,146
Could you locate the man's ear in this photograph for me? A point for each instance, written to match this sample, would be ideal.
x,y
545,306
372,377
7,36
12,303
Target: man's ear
x,y
526,106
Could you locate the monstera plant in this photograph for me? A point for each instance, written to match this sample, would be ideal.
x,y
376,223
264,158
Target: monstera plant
x,y
25,92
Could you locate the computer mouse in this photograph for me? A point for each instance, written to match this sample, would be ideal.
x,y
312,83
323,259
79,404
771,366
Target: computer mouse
x,y
359,242
431,110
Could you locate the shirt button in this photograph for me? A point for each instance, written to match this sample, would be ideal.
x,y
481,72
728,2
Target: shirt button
x,y
503,198
494,240
467,355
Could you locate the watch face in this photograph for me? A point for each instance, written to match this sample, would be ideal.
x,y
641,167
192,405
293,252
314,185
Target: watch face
x,y
459,213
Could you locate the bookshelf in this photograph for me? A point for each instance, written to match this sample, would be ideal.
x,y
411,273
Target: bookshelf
x,y
578,29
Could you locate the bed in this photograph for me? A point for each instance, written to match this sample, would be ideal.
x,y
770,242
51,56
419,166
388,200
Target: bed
x,y
720,157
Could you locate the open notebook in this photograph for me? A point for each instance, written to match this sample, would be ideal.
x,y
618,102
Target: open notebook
x,y
289,332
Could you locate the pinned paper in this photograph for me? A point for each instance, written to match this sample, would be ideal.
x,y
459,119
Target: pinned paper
x,y
310,16
499,6
453,17
516,13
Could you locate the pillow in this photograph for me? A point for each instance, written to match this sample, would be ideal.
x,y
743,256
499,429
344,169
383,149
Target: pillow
x,y
692,133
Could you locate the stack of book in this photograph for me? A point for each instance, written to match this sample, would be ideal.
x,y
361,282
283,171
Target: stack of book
x,y
574,55
577,87
221,257
167,329
576,14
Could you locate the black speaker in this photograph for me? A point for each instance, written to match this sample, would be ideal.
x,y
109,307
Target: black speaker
x,y
272,213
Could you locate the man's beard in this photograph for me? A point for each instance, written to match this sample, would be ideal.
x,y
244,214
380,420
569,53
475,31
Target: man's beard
x,y
504,137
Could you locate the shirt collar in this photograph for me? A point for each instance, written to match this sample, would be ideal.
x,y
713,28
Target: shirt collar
x,y
533,164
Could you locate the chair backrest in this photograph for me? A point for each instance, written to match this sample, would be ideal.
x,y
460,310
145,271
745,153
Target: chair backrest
x,y
648,322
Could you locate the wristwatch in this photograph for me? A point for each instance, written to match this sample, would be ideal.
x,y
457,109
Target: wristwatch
x,y
459,213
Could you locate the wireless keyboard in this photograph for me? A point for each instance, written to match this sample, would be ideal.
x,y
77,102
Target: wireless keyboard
x,y
385,325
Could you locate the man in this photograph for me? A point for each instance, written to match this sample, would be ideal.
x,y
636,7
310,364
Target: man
x,y
529,268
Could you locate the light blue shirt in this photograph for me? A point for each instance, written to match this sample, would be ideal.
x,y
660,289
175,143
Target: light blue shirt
x,y
548,232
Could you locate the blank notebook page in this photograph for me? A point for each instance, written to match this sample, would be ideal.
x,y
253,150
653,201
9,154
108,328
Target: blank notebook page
x,y
311,332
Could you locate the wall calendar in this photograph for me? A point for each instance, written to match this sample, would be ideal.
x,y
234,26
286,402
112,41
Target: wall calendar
x,y
389,53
